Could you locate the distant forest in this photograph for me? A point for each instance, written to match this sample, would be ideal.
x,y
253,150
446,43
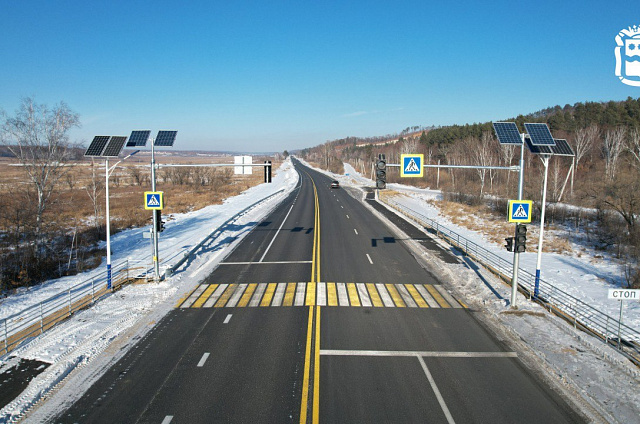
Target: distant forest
x,y
603,178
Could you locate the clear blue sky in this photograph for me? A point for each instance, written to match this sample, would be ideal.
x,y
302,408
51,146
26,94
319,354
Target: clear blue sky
x,y
275,75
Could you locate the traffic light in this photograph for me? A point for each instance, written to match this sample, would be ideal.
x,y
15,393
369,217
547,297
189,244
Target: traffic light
x,y
381,172
159,221
521,238
509,244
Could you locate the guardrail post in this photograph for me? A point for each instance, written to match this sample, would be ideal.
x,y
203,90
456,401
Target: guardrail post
x,y
606,331
69,301
6,337
41,320
92,290
127,269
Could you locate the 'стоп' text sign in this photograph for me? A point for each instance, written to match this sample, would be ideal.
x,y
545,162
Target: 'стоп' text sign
x,y
624,294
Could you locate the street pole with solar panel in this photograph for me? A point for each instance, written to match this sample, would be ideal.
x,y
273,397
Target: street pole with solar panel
x,y
541,143
107,147
509,135
163,139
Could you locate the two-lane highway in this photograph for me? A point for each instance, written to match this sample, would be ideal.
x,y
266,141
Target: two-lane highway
x,y
320,315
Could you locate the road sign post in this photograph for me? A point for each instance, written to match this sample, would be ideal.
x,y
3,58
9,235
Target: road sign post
x,y
621,295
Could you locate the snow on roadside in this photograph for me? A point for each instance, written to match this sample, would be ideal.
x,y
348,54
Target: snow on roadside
x,y
134,309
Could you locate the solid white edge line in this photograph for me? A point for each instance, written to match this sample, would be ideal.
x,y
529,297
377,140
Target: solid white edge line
x,y
369,257
276,234
167,419
203,359
227,319
434,387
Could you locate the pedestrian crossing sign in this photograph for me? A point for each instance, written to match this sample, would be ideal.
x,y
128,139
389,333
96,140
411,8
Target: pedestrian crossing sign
x,y
520,211
153,200
411,165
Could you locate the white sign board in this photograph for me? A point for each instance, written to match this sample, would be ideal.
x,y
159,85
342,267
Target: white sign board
x,y
243,160
624,294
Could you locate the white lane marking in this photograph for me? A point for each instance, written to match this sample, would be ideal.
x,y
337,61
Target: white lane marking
x,y
406,296
427,296
343,298
321,294
204,358
428,354
276,234
384,294
347,216
369,257
236,295
215,296
194,296
443,405
299,300
226,320
257,295
355,231
266,263
364,296
277,298
342,206
167,419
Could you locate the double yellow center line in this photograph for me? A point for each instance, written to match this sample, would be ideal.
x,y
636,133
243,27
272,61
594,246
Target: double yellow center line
x,y
313,337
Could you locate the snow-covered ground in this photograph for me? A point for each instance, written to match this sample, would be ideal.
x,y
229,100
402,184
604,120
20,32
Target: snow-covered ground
x,y
603,381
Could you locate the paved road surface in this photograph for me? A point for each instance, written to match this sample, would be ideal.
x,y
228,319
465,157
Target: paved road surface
x,y
320,315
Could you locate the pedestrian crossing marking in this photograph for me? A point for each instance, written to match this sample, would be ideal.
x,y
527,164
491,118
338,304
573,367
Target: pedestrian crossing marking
x,y
373,293
353,294
246,297
395,296
376,295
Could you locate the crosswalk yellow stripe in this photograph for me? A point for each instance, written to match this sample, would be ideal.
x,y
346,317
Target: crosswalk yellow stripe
x,y
311,294
204,296
416,296
373,294
225,296
353,294
437,296
246,297
288,295
397,299
332,295
268,295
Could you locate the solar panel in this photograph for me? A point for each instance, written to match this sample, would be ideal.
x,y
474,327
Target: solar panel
x,y
540,134
507,133
165,138
97,145
114,147
138,138
537,150
562,148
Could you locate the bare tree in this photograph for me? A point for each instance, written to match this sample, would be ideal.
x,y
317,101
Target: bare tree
x,y
38,137
410,145
584,140
613,146
633,146
481,154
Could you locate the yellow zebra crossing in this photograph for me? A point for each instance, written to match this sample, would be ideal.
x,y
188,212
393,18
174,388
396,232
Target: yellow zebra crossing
x,y
322,294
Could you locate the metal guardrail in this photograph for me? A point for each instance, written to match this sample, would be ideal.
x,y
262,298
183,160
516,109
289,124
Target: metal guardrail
x,y
38,318
582,315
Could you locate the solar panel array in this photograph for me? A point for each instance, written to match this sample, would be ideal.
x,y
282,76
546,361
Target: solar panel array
x,y
507,133
166,138
97,145
114,147
537,150
138,138
562,148
540,134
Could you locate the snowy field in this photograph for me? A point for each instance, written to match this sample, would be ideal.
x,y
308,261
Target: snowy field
x,y
603,382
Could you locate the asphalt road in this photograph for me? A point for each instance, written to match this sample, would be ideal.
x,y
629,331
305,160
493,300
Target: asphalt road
x,y
235,352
